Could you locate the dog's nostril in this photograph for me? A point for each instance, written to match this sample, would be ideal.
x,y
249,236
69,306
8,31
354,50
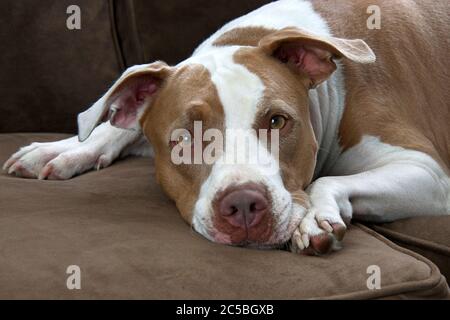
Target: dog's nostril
x,y
229,211
243,206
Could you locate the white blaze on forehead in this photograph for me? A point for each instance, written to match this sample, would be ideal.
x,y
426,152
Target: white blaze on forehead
x,y
239,89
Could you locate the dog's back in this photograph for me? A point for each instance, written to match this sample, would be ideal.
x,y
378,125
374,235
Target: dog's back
x,y
403,98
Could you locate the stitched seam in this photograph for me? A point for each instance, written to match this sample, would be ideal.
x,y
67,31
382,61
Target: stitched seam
x,y
119,54
417,242
134,30
396,288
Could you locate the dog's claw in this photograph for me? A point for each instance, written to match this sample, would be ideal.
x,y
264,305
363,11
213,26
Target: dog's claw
x,y
20,171
326,226
297,240
102,162
8,164
45,172
305,239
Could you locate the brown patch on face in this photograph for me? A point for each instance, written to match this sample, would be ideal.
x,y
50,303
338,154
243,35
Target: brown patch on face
x,y
245,36
287,94
403,98
188,95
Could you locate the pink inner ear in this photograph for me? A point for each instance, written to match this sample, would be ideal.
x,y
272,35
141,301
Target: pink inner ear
x,y
131,99
314,62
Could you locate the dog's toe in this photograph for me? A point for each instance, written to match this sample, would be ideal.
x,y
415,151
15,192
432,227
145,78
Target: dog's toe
x,y
49,173
20,171
317,236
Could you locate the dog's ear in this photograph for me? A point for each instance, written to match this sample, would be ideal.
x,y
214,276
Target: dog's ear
x,y
126,100
313,54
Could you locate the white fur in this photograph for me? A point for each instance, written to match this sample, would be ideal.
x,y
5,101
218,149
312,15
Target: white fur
x,y
385,183
240,103
275,15
376,182
69,157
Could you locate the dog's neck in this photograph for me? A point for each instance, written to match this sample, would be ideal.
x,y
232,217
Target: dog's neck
x,y
326,104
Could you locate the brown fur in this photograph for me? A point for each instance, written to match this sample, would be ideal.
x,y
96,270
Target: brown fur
x,y
187,95
403,98
249,36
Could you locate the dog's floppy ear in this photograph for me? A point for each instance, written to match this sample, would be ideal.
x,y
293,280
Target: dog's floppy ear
x,y
126,99
313,54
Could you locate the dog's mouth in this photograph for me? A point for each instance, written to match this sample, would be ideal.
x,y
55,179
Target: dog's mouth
x,y
274,235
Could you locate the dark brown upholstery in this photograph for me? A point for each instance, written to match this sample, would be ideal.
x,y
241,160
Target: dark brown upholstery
x,y
49,73
182,25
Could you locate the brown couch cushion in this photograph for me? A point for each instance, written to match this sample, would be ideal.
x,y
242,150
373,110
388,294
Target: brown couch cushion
x,y
429,236
130,242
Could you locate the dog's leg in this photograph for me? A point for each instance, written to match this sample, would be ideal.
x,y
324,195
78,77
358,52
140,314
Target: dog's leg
x,y
377,183
64,159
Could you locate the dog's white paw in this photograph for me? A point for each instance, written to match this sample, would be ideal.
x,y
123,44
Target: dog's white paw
x,y
311,239
323,227
58,160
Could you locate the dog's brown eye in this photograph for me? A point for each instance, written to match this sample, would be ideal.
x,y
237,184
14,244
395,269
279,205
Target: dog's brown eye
x,y
182,139
277,122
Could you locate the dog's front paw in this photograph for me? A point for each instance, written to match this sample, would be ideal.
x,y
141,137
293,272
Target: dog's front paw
x,y
323,228
317,238
58,160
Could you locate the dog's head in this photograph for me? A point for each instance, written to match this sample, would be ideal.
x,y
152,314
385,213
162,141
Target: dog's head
x,y
231,130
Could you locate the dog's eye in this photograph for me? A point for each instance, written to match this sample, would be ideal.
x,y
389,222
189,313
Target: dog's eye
x,y
277,122
182,139
186,139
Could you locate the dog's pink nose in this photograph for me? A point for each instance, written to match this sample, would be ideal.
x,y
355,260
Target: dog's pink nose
x,y
243,206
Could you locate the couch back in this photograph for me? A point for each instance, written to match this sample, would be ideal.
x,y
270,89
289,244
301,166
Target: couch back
x,y
50,73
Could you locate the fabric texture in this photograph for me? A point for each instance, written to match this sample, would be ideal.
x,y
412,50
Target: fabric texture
x,y
130,242
429,236
171,30
50,73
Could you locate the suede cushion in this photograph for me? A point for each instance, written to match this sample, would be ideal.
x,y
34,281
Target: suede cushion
x,y
130,242
48,72
429,236
171,30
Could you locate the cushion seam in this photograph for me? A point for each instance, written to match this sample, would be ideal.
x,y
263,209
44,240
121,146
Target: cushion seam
x,y
396,288
115,39
410,240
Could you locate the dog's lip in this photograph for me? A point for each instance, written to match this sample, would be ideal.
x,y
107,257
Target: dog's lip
x,y
281,237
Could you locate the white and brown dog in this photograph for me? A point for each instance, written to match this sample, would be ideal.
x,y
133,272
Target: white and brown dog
x,y
357,138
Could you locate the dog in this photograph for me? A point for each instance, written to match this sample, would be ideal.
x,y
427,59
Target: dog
x,y
362,125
